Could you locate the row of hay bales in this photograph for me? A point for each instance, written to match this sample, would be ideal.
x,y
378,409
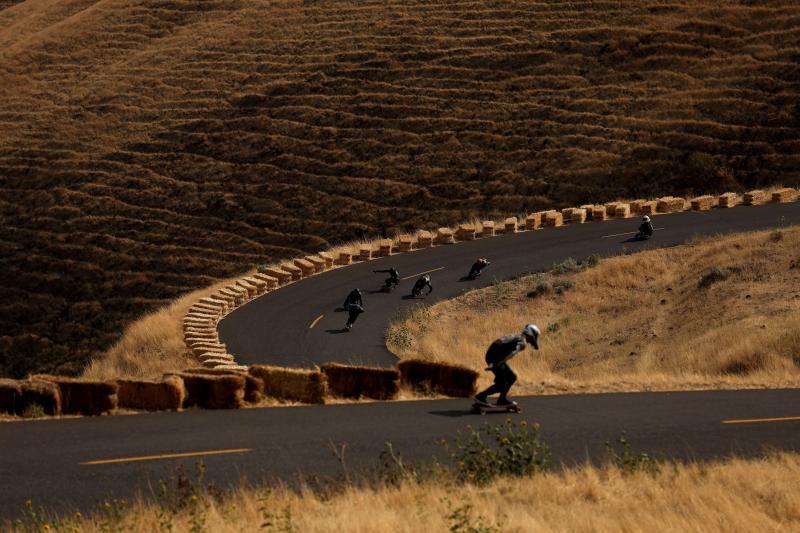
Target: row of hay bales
x,y
200,323
224,388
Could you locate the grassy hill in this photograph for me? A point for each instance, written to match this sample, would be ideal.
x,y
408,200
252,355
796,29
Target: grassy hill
x,y
149,147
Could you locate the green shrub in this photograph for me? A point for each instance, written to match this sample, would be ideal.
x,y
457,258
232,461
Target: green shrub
x,y
629,461
511,450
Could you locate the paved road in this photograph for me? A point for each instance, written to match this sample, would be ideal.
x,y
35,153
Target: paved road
x,y
45,460
275,328
41,460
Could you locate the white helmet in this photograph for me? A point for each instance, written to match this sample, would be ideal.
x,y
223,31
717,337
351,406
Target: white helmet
x,y
531,332
646,218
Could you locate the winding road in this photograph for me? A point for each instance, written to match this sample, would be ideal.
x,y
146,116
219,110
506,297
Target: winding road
x,y
72,464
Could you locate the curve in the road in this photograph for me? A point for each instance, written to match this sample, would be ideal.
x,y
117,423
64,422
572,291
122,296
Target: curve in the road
x,y
299,326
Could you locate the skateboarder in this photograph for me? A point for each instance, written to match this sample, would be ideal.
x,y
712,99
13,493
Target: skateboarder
x,y
353,311
392,281
421,283
353,298
477,267
497,357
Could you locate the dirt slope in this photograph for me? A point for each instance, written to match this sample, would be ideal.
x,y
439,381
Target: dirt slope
x,y
148,147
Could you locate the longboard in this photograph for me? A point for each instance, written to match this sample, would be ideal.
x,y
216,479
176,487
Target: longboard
x,y
478,409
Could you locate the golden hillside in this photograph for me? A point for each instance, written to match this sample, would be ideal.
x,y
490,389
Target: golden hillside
x,y
148,147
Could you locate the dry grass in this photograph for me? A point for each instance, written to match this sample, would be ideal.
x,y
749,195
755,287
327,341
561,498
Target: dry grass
x,y
734,496
150,148
153,345
650,321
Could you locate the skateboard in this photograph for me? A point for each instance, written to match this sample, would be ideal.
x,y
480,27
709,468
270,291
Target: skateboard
x,y
479,409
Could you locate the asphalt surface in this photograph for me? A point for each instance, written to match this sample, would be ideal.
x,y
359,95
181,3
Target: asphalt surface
x,y
44,461
41,460
276,327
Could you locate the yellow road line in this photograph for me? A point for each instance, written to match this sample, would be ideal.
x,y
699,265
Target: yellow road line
x,y
314,323
756,420
626,233
165,456
421,273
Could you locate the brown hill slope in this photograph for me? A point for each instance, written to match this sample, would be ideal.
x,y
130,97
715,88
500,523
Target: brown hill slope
x,y
148,147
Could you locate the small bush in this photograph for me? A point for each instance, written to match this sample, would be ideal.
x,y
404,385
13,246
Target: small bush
x,y
592,261
627,460
561,285
33,410
513,450
567,266
714,275
776,236
461,521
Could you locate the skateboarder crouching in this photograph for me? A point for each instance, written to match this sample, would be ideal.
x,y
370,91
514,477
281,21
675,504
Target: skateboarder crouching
x,y
497,357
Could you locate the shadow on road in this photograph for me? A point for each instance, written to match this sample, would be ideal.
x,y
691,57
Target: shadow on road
x,y
451,413
335,331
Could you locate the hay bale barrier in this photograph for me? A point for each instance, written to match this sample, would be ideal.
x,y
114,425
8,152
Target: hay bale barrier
x,y
702,203
755,197
599,213
438,378
83,397
17,396
784,195
167,394
487,228
578,215
224,391
552,219
45,394
291,384
533,221
360,381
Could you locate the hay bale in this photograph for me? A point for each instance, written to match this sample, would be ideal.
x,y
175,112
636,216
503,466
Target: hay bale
x,y
444,236
271,281
18,395
10,396
670,204
328,259
552,219
784,195
439,378
357,381
533,221
650,207
253,389
424,239
405,243
252,290
611,208
487,229
578,216
293,271
702,203
167,394
384,248
318,262
45,394
84,397
345,258
622,210
364,253
306,386
636,206
599,212
754,197
224,391
510,225
566,213
281,275
306,267
261,285
465,232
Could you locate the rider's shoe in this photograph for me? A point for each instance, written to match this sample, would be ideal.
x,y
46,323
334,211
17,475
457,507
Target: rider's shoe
x,y
505,402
